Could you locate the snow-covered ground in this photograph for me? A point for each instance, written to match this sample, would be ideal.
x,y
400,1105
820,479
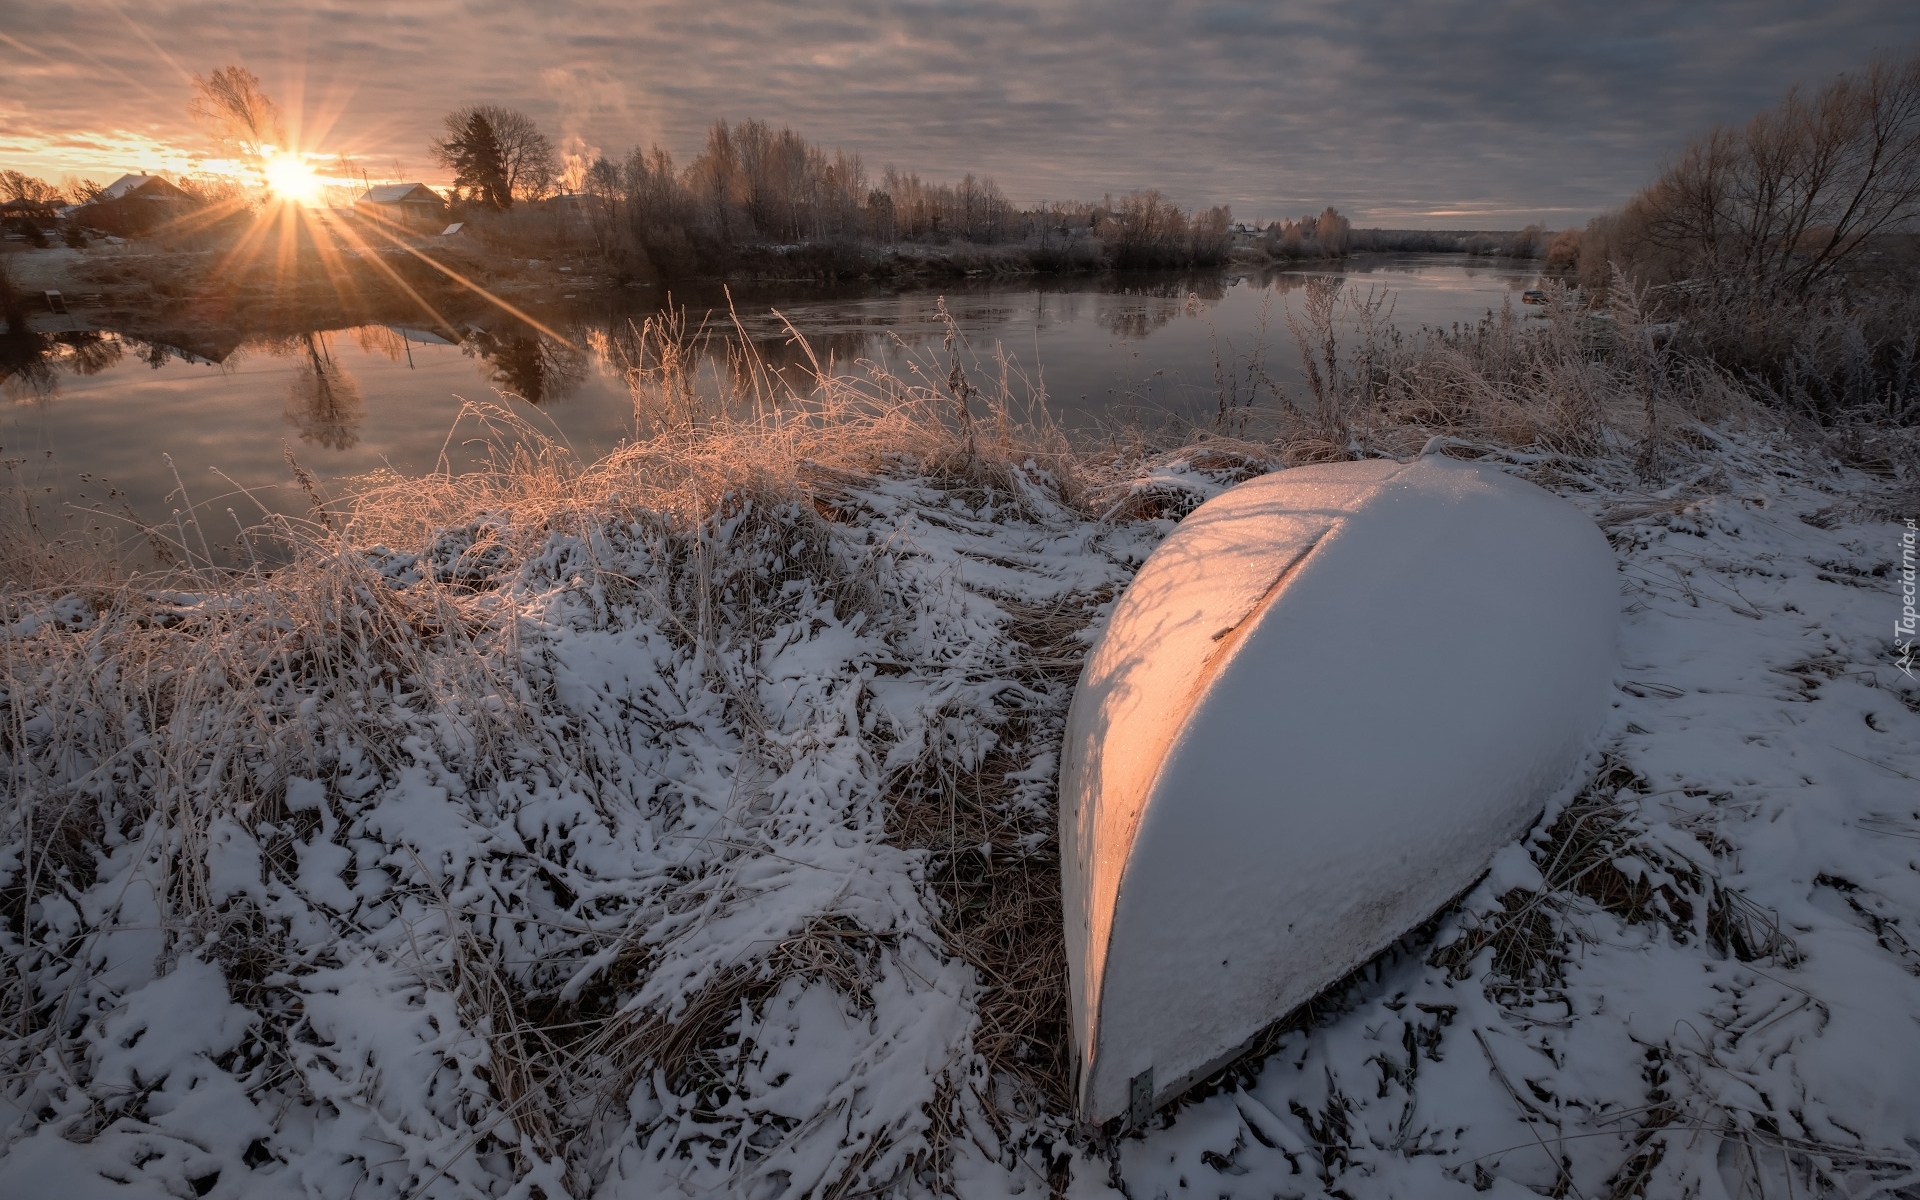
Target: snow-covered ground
x,y
639,924
1728,1002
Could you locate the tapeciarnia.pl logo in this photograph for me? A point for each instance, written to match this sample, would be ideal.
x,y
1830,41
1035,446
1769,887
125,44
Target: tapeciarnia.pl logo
x,y
1904,625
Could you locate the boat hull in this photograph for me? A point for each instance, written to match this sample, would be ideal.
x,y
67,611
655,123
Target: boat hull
x,y
1323,704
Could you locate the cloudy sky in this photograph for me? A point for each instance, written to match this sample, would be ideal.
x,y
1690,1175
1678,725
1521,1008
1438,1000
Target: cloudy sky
x,y
1437,113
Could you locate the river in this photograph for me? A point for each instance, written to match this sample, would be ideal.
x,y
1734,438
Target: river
x,y
116,420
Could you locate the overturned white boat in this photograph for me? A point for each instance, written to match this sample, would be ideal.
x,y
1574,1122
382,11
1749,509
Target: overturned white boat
x,y
1322,705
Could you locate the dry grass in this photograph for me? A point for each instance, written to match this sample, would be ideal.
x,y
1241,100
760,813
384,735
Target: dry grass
x,y
224,682
1580,857
218,684
1575,384
996,871
742,432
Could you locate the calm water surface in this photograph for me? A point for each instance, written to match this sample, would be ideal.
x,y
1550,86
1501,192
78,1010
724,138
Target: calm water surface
x,y
1105,349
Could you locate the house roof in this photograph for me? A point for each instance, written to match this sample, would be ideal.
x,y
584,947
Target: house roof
x,y
149,187
396,193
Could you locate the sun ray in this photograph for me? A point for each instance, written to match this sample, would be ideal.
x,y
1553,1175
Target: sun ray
x,y
345,289
145,87
23,48
286,267
246,247
159,51
370,254
379,224
202,218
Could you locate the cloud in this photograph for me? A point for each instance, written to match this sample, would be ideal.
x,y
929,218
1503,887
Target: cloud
x,y
1423,112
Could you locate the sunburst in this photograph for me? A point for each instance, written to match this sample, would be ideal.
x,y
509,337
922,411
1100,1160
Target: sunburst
x,y
292,179
295,231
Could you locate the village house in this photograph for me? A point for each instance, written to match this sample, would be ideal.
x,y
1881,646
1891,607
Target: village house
x,y
402,204
134,204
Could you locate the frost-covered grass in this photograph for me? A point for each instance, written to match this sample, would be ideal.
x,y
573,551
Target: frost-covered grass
x,y
682,823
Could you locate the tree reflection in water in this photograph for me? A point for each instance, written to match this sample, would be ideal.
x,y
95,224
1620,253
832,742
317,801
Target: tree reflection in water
x,y
31,363
324,402
537,369
1136,311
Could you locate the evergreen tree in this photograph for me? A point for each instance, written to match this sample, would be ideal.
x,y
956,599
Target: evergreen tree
x,y
478,165
498,154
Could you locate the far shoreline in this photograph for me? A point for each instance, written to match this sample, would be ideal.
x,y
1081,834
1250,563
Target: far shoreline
x,y
148,290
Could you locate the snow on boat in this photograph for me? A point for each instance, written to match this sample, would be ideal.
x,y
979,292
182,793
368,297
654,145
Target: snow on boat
x,y
1319,709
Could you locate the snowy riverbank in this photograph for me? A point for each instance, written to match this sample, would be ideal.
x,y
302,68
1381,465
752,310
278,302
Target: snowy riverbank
x,y
634,852
1712,991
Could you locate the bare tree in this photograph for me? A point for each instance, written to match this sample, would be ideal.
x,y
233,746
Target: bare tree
x,y
719,186
79,189
527,157
1144,229
239,113
604,187
16,186
1334,232
1774,209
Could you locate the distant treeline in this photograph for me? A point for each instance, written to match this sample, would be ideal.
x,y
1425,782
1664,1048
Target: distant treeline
x,y
756,195
1328,235
1331,235
1531,242
755,200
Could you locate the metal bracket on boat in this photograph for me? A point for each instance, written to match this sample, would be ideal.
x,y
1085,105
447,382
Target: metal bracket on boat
x,y
1140,1099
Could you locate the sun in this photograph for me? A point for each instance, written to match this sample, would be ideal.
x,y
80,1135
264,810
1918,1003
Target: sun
x,y
292,179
